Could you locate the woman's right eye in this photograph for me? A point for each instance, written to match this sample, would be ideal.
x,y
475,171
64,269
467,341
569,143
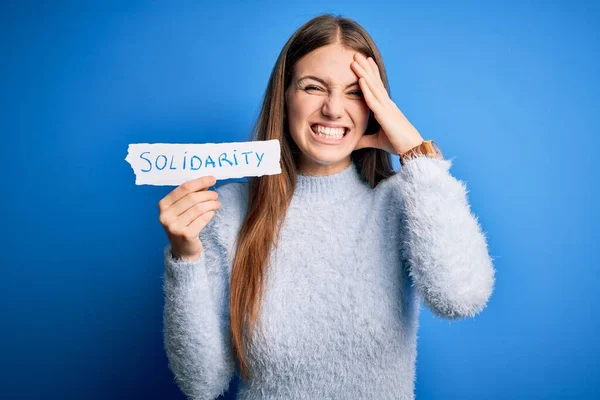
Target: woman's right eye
x,y
311,87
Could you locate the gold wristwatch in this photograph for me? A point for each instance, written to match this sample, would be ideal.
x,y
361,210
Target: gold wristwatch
x,y
427,148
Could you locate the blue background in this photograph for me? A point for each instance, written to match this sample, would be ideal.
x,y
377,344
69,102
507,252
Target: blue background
x,y
510,91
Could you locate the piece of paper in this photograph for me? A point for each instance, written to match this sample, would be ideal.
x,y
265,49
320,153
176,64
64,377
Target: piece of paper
x,y
173,164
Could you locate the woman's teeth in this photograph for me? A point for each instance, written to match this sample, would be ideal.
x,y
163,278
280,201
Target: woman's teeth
x,y
330,133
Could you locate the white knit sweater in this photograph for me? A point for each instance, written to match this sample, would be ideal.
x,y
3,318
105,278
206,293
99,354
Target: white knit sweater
x,y
341,304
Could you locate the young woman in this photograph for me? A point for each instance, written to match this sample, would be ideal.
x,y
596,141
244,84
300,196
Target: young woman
x,y
307,283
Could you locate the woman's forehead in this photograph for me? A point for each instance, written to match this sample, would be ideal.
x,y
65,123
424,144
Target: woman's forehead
x,y
329,63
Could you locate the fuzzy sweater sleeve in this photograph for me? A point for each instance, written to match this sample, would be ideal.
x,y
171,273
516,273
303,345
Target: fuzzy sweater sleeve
x,y
443,245
196,312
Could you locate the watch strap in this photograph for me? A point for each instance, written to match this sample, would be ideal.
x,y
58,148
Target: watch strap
x,y
427,148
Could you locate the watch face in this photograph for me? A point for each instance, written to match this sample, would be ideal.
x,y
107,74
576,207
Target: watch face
x,y
437,149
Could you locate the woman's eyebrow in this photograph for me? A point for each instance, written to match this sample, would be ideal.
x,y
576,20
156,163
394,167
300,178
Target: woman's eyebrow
x,y
322,81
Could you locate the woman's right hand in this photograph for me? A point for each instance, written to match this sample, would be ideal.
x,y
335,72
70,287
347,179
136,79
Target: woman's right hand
x,y
184,212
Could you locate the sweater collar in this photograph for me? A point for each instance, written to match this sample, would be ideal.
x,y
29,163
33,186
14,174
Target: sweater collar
x,y
338,186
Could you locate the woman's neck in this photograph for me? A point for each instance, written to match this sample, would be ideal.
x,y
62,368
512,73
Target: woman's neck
x,y
312,168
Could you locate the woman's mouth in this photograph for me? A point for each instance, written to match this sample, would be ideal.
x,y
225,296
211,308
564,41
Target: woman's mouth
x,y
328,135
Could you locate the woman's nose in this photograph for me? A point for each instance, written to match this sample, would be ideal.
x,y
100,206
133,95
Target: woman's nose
x,y
333,106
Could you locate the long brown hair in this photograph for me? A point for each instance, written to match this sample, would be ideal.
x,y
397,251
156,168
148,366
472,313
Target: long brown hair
x,y
270,195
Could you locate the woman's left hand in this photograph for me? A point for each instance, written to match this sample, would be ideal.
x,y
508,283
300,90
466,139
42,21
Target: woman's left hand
x,y
397,134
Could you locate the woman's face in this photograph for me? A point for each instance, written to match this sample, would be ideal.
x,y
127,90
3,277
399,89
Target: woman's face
x,y
327,114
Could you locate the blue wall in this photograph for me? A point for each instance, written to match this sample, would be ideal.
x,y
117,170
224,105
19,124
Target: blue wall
x,y
510,91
